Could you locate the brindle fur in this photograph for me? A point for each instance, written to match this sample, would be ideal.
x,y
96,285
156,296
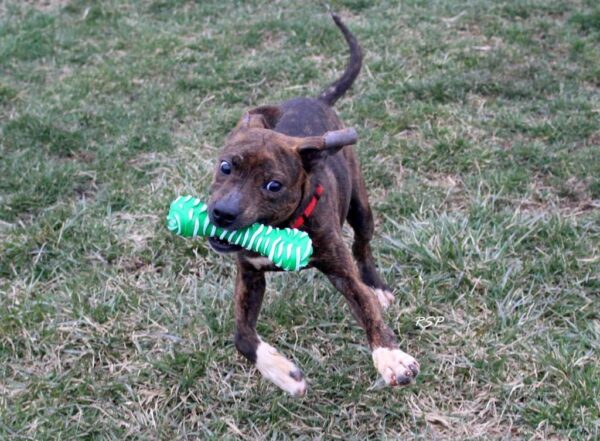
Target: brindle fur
x,y
272,142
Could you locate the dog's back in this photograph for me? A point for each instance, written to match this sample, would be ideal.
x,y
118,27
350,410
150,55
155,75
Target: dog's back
x,y
304,116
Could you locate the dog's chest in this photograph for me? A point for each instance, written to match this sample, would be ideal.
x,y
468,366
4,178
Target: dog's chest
x,y
259,263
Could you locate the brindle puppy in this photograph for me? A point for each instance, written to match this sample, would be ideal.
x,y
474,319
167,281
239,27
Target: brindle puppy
x,y
268,172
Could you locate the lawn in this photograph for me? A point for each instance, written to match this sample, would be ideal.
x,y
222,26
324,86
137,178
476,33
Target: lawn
x,y
479,141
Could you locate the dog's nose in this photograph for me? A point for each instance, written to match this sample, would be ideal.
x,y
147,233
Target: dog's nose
x,y
224,214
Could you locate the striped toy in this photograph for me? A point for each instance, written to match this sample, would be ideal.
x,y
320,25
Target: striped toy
x,y
289,249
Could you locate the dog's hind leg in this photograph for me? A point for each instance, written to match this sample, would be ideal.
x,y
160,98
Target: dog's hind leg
x,y
249,292
360,219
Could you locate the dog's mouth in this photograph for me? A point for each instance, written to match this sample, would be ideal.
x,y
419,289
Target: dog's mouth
x,y
222,246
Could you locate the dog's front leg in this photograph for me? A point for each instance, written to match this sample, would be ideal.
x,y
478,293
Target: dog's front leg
x,y
249,292
395,366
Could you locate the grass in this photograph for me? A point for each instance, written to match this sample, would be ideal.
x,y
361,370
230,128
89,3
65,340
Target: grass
x,y
479,143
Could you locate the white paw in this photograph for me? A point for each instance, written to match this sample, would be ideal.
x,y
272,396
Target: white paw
x,y
279,370
396,367
385,298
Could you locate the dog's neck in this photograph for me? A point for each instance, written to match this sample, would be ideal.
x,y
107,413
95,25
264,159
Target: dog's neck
x,y
310,190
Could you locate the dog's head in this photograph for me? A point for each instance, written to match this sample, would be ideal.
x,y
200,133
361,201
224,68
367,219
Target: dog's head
x,y
261,174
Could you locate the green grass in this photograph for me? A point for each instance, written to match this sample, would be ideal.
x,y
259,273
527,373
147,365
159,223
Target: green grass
x,y
480,134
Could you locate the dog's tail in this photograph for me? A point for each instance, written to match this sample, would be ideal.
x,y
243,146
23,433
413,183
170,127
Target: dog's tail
x,y
336,89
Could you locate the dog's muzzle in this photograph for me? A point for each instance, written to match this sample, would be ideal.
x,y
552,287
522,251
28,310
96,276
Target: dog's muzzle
x,y
222,246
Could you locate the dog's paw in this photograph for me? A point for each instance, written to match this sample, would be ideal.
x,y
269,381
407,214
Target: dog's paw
x,y
385,298
279,370
396,367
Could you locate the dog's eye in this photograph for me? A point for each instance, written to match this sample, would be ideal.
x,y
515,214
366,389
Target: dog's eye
x,y
225,167
273,186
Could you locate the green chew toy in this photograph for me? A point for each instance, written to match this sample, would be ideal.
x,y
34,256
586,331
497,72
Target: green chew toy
x,y
287,248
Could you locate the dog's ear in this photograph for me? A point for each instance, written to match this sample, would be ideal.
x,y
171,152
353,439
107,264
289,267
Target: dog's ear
x,y
314,148
264,117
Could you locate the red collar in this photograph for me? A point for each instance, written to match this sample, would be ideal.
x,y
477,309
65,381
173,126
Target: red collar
x,y
300,220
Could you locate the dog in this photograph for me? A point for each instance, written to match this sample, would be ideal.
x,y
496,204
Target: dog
x,y
291,164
